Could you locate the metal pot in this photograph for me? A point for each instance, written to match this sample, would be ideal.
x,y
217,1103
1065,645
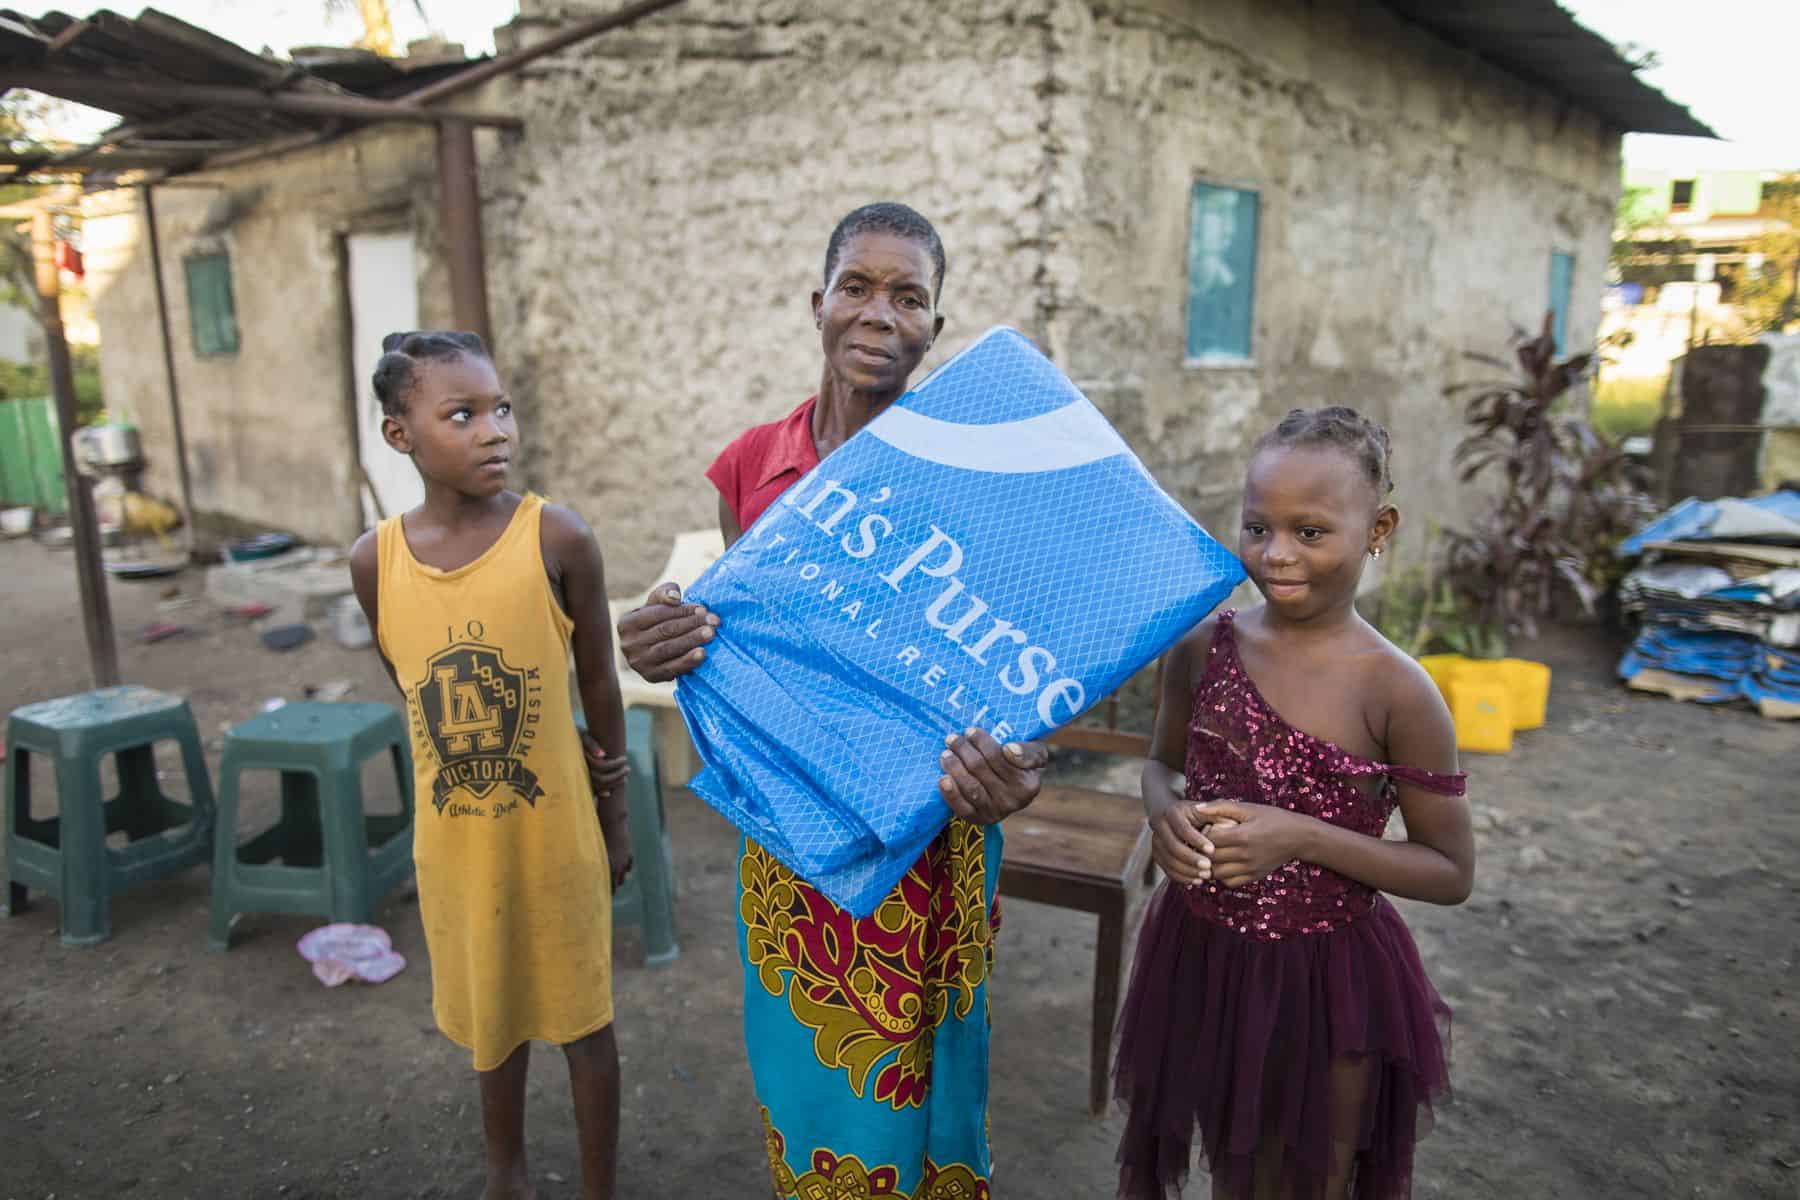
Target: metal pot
x,y
109,445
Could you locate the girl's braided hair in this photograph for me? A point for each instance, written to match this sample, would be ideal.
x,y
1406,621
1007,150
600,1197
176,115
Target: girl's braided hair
x,y
1363,439
401,354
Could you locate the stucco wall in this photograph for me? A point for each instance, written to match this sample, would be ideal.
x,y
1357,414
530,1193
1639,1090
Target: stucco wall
x,y
660,241
653,238
268,429
663,224
1410,201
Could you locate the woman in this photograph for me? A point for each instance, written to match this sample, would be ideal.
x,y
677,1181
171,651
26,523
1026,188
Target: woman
x,y
867,1038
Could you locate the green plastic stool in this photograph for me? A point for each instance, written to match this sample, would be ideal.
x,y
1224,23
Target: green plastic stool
x,y
335,860
648,898
67,855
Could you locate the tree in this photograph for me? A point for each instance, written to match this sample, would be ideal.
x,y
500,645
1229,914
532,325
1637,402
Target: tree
x,y
18,112
378,27
1770,294
1644,249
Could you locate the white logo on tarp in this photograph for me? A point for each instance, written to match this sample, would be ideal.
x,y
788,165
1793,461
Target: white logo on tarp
x,y
1072,436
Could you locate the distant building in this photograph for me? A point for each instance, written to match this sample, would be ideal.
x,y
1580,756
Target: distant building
x,y
1693,242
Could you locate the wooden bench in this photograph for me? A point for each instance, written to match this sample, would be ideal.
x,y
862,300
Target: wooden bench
x,y
1087,850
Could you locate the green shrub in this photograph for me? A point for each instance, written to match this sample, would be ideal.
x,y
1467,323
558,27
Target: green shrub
x,y
1627,407
17,379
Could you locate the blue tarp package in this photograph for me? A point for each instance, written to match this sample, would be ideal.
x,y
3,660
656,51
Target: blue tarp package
x,y
1775,517
1736,637
987,552
1746,667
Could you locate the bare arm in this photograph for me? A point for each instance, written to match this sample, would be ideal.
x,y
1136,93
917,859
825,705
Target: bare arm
x,y
1435,863
1163,770
1178,841
571,545
728,524
577,556
365,580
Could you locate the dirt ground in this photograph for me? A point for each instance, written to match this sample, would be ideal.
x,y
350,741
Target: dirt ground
x,y
1624,981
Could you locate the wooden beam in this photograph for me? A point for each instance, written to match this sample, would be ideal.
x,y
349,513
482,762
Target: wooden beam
x,y
168,350
96,611
118,160
66,38
269,149
459,195
475,76
104,92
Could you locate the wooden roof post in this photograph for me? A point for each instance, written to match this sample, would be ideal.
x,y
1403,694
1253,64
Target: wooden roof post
x,y
168,354
96,611
459,198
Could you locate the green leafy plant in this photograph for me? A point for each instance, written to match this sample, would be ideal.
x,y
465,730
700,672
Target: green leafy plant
x,y
1628,406
1566,495
18,380
1415,607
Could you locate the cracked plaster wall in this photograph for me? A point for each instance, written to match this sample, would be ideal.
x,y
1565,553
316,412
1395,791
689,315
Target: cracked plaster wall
x,y
654,257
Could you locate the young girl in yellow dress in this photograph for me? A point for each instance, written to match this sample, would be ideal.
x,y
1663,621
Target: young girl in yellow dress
x,y
520,834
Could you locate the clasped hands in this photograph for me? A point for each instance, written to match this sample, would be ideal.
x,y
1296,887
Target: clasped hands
x,y
1223,841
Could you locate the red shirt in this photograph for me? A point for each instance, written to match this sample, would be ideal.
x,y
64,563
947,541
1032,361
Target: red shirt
x,y
761,463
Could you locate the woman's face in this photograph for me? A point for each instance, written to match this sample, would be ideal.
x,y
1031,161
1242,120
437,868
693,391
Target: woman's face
x,y
875,314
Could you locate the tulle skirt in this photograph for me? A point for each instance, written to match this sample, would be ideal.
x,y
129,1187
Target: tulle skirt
x,y
1298,1061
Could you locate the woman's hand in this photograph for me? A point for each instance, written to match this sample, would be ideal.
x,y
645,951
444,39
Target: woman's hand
x,y
986,783
665,638
1251,840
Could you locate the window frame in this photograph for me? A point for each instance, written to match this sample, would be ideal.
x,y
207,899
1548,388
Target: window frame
x,y
1217,359
1559,314
203,343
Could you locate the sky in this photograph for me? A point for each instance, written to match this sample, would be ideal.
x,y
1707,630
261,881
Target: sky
x,y
1732,62
1724,59
284,24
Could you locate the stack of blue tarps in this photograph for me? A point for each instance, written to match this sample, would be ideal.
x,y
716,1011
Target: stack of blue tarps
x,y
1718,592
1744,667
1773,518
987,552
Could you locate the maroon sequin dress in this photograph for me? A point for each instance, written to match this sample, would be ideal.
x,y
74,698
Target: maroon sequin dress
x,y
1289,1022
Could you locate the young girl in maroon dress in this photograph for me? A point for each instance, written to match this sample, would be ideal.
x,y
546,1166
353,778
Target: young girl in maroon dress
x,y
1278,1004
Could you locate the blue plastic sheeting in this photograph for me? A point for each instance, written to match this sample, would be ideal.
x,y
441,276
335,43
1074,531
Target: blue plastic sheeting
x,y
1692,520
1746,667
988,552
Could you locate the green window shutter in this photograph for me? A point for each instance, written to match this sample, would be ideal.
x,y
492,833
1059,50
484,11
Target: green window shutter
x,y
211,311
1562,279
1221,272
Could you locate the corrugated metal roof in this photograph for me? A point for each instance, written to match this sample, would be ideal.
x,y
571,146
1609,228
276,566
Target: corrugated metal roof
x,y
1543,44
98,59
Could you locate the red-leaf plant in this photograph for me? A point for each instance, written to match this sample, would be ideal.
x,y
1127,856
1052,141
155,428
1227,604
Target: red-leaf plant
x,y
1566,497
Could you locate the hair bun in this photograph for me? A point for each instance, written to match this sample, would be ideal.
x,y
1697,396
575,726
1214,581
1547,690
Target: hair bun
x,y
402,352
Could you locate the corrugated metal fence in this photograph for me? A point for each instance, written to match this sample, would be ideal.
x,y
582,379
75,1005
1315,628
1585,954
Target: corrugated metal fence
x,y
31,455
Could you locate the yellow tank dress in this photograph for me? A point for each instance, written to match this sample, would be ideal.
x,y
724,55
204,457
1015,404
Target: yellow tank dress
x,y
514,888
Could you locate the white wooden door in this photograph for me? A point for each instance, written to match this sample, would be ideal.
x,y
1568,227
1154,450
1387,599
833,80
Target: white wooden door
x,y
384,299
